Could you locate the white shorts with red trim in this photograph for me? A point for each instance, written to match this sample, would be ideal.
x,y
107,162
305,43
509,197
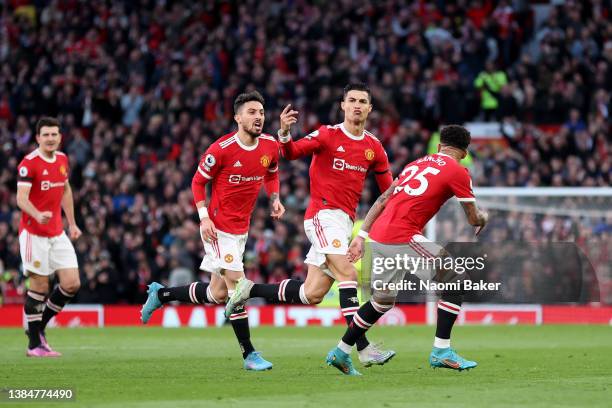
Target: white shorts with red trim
x,y
329,232
224,253
45,255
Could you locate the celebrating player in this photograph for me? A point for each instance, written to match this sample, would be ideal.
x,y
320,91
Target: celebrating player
x,y
237,165
342,156
394,224
42,191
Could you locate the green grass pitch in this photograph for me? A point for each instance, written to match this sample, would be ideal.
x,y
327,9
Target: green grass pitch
x,y
546,366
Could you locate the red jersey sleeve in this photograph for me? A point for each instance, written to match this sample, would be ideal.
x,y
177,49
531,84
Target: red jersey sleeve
x,y
25,173
272,181
461,185
307,145
207,170
382,172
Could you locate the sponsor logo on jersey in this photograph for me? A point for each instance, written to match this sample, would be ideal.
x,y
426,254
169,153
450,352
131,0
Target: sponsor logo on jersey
x,y
45,172
210,160
265,160
336,243
341,164
63,170
369,154
228,258
237,178
340,149
238,164
23,171
47,185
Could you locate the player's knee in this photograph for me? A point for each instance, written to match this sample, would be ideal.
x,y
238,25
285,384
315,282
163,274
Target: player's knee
x,y
384,297
314,296
220,295
72,286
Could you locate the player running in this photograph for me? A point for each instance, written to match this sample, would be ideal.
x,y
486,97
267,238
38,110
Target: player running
x,y
237,165
394,224
342,156
43,191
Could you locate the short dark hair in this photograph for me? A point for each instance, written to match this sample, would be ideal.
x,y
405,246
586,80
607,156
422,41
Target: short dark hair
x,y
46,121
455,136
247,97
357,86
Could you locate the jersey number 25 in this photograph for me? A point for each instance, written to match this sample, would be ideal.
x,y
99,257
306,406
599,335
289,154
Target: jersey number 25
x,y
411,173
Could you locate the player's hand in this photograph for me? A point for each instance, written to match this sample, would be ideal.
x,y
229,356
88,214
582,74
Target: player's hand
x,y
208,230
355,250
44,217
74,232
277,209
287,118
483,218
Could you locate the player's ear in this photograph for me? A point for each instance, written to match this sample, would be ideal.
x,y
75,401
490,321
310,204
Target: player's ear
x,y
237,118
342,105
370,107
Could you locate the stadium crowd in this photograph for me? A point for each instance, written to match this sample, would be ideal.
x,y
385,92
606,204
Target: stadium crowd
x,y
143,87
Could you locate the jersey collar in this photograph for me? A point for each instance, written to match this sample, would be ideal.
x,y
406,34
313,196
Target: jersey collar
x,y
443,154
42,156
245,147
350,135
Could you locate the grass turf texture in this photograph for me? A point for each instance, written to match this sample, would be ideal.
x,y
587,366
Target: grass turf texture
x,y
153,367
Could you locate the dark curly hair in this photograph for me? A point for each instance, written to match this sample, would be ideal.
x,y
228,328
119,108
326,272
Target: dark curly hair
x,y
455,136
247,97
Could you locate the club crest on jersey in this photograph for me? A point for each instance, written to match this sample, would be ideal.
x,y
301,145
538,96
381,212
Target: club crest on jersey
x,y
336,243
23,172
369,154
265,160
36,264
63,171
210,160
228,258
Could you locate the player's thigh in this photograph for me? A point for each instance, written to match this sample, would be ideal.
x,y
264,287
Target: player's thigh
x,y
340,266
231,278
317,284
34,251
63,261
218,288
39,283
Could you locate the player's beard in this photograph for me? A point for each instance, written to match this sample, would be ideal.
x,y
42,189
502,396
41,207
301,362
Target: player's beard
x,y
254,133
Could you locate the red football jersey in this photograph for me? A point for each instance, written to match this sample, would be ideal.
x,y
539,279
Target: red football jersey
x,y
237,172
425,185
47,179
340,163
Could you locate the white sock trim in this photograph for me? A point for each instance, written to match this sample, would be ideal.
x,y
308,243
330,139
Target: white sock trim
x,y
441,343
345,347
303,297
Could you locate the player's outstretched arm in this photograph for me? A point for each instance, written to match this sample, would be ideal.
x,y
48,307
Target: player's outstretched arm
x,y
25,205
476,217
74,231
294,150
355,251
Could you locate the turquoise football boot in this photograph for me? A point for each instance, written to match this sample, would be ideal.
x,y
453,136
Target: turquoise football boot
x,y
341,361
448,358
152,304
255,362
